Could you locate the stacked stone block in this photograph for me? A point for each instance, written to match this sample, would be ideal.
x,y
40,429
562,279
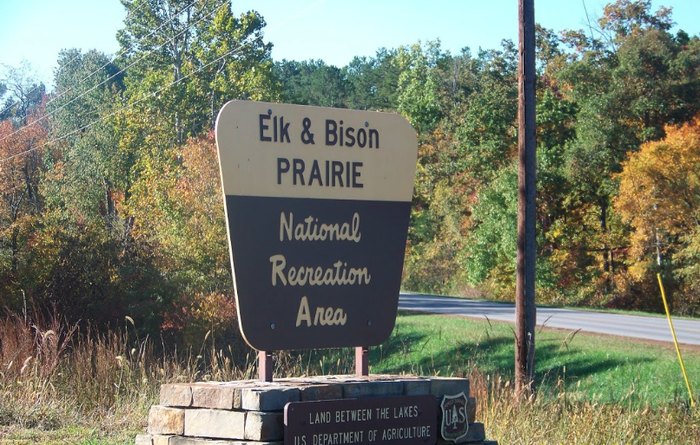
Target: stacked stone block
x,y
251,412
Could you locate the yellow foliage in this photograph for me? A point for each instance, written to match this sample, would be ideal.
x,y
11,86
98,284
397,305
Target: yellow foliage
x,y
660,193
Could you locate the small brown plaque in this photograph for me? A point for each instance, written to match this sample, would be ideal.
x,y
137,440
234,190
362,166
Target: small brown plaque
x,y
409,420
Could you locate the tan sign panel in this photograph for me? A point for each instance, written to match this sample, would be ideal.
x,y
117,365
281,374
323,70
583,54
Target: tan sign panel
x,y
314,152
317,203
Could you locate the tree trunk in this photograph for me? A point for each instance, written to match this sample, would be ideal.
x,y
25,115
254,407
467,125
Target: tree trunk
x,y
607,250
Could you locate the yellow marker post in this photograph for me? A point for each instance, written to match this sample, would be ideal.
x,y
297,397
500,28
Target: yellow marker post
x,y
675,341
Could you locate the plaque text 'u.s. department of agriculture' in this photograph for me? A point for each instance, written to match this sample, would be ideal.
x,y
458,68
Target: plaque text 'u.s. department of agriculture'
x,y
408,420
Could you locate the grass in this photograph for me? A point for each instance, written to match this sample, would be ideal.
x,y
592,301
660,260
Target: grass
x,y
591,367
59,386
561,420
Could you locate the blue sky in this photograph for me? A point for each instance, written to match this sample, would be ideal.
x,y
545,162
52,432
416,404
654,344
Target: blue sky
x,y
332,30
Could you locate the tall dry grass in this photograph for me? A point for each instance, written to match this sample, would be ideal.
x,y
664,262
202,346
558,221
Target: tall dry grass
x,y
59,377
54,375
554,417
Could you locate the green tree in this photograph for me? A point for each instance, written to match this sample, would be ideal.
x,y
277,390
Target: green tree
x,y
93,170
233,62
22,93
417,95
186,59
83,261
448,181
372,81
183,60
312,83
491,245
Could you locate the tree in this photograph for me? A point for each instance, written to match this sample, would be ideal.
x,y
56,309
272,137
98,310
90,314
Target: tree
x,y
181,216
418,97
660,198
492,241
624,81
486,132
312,83
453,166
624,18
183,60
23,94
371,81
186,59
20,201
440,217
233,61
156,43
94,171
3,90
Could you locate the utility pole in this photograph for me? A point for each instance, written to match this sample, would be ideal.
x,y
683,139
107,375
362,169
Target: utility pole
x,y
525,310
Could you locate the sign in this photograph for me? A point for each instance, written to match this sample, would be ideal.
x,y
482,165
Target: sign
x,y
455,424
408,420
317,203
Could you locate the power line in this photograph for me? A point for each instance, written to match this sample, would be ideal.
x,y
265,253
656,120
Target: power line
x,y
141,57
120,53
9,107
49,114
69,62
130,105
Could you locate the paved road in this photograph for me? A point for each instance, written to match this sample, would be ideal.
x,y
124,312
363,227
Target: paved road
x,y
636,326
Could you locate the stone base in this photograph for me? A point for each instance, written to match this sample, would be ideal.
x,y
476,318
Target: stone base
x,y
248,412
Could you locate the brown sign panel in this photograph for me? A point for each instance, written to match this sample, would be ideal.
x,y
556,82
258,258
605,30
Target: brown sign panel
x,y
410,420
317,202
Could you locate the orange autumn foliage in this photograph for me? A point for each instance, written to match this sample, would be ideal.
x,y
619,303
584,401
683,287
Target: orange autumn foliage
x,y
660,195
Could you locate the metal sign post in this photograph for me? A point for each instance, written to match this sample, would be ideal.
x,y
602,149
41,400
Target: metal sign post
x,y
265,365
361,361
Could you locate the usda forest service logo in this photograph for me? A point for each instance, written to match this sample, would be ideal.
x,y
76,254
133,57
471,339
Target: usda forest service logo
x,y
454,425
